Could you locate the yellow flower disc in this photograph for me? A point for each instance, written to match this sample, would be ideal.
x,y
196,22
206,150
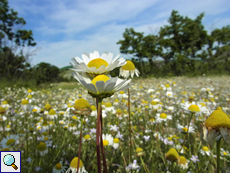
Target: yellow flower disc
x,y
25,102
128,66
74,163
205,148
138,150
167,85
218,119
118,111
93,108
107,105
121,92
105,142
194,108
2,110
153,103
29,96
116,140
163,116
52,112
87,137
41,146
4,102
182,160
29,91
58,166
47,106
10,142
185,129
116,100
172,155
81,104
97,63
100,78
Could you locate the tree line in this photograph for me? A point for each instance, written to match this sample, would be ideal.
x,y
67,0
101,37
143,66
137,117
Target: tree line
x,y
183,47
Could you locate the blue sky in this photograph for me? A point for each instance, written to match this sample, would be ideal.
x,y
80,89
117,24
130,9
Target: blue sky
x,y
67,28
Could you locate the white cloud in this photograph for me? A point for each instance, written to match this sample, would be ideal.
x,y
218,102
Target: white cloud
x,y
65,29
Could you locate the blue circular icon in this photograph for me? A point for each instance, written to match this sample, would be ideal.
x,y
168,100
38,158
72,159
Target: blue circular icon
x,y
9,159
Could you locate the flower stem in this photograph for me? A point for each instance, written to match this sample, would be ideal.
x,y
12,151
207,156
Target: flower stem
x,y
218,155
130,143
79,151
98,103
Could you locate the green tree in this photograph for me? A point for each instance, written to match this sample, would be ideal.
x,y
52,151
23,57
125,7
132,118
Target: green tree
x,y
12,41
45,72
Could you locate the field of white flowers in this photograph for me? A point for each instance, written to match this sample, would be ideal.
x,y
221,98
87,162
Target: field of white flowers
x,y
166,131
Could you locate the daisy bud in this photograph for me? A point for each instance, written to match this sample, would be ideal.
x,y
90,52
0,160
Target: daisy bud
x,y
139,152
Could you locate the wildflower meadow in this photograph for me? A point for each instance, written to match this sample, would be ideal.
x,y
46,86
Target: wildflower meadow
x,y
147,125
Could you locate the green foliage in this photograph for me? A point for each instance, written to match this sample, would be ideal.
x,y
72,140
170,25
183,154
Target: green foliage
x,y
184,45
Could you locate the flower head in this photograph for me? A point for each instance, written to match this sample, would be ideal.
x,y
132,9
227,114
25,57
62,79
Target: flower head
x,y
82,107
74,164
96,64
102,85
172,155
128,69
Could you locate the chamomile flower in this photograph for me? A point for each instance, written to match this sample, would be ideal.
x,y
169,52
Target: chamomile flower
x,y
128,69
186,129
205,151
160,117
224,153
115,144
59,168
9,141
73,166
102,85
42,148
107,139
183,162
96,64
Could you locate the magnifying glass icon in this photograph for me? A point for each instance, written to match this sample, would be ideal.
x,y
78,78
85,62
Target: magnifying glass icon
x,y
9,160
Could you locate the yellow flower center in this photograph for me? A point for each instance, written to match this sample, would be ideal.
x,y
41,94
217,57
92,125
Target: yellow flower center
x,y
128,66
81,104
138,150
105,142
74,117
98,62
2,110
5,149
172,155
116,100
93,108
29,91
182,160
52,112
194,108
163,116
45,133
121,92
152,119
34,110
45,138
58,166
167,85
29,96
10,142
119,111
153,103
205,148
100,78
4,102
74,163
184,129
218,119
108,105
87,137
116,140
25,102
47,106
41,146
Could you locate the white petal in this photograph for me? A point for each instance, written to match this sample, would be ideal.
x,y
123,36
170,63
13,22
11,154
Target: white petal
x,y
85,58
100,86
101,69
109,85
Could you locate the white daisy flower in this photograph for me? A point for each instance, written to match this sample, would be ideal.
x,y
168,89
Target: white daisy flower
x,y
115,143
96,64
107,139
186,129
128,69
102,84
73,166
59,168
162,117
205,151
9,141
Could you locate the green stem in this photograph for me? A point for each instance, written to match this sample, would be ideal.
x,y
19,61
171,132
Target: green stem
x,y
218,155
79,151
130,142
